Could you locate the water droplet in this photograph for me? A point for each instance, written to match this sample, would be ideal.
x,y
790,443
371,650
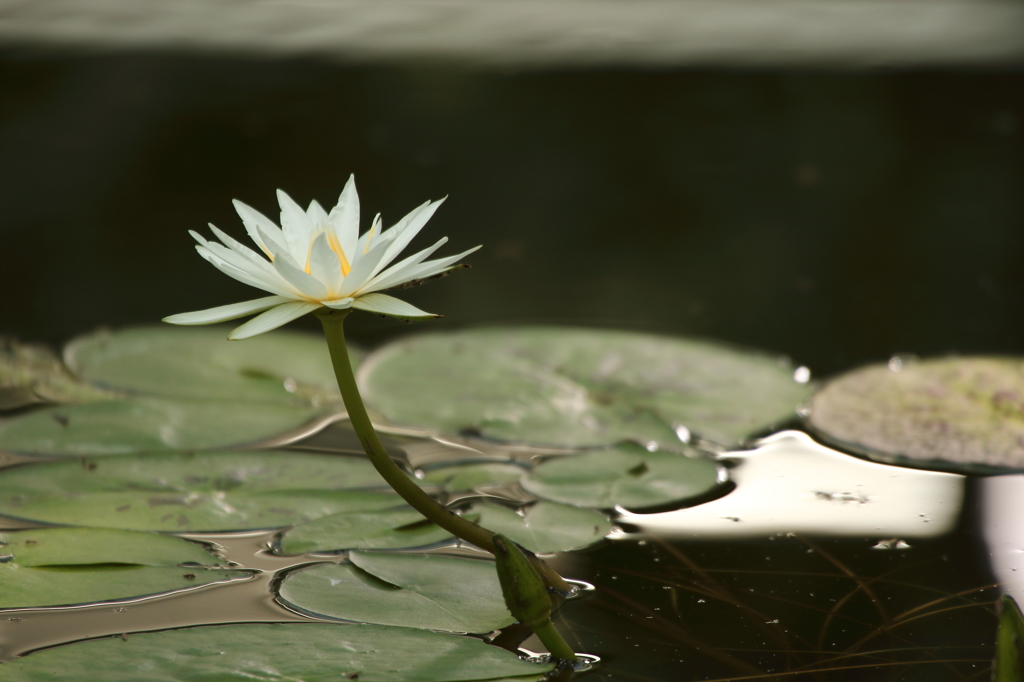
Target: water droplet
x,y
891,543
683,433
4,558
802,375
700,601
642,543
291,385
651,446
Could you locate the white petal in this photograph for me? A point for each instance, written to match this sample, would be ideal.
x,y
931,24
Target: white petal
x,y
296,227
324,264
244,251
245,278
362,271
395,271
412,227
382,304
428,269
274,243
272,319
345,218
253,220
308,285
226,312
259,273
340,304
316,214
373,233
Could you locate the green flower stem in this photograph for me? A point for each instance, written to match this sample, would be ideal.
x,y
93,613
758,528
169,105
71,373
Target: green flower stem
x,y
333,321
560,651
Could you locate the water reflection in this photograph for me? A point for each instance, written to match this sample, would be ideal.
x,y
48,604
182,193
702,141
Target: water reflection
x,y
790,484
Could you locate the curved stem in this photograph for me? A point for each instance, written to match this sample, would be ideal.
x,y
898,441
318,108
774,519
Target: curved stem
x,y
333,322
553,640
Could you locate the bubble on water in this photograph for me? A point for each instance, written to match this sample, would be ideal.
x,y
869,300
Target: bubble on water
x,y
802,375
891,543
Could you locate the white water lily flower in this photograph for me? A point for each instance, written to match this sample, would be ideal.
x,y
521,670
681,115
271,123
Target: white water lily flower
x,y
317,259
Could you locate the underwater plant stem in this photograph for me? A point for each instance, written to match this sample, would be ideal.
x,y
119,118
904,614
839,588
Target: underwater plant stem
x,y
333,322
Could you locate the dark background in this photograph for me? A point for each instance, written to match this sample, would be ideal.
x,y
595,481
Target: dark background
x,y
837,217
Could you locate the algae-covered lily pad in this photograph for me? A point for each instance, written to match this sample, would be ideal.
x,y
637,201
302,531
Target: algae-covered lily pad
x,y
958,411
578,387
293,652
383,529
147,424
62,566
546,526
626,476
412,590
192,492
199,362
469,476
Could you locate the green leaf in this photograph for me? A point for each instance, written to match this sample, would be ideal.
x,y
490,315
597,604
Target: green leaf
x,y
146,425
1009,663
627,476
412,590
578,387
31,374
546,526
294,652
193,491
199,362
63,566
949,412
384,529
471,476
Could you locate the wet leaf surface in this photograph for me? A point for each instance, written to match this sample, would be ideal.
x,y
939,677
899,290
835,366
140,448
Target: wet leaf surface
x,y
314,652
627,476
546,527
412,590
199,362
62,566
578,387
147,424
469,476
193,491
383,529
950,411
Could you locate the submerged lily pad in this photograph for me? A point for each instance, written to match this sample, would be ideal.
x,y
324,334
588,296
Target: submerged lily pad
x,y
193,491
626,476
199,362
31,373
546,526
383,529
412,590
469,476
957,411
62,566
578,387
128,425
293,652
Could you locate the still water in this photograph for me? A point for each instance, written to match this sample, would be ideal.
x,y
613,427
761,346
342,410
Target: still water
x,y
816,566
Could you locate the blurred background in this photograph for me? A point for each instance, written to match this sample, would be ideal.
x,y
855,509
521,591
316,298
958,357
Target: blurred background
x,y
836,180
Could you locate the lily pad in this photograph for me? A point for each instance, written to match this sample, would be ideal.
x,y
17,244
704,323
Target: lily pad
x,y
62,566
193,491
147,424
576,387
293,652
966,412
627,475
412,590
31,374
470,476
199,362
546,526
383,529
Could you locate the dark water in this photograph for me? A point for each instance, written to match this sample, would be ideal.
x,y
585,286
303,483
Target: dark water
x,y
838,217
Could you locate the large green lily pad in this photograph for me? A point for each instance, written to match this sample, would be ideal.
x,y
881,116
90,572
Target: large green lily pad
x,y
127,425
626,476
193,491
382,529
578,387
294,652
199,362
546,526
63,566
412,590
947,411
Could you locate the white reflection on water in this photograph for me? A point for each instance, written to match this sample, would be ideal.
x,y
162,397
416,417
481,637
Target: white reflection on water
x,y
1002,510
790,484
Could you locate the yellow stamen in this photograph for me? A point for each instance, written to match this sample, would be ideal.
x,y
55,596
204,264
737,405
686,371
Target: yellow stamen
x,y
332,241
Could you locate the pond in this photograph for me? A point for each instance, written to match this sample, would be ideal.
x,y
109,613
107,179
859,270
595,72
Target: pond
x,y
840,218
